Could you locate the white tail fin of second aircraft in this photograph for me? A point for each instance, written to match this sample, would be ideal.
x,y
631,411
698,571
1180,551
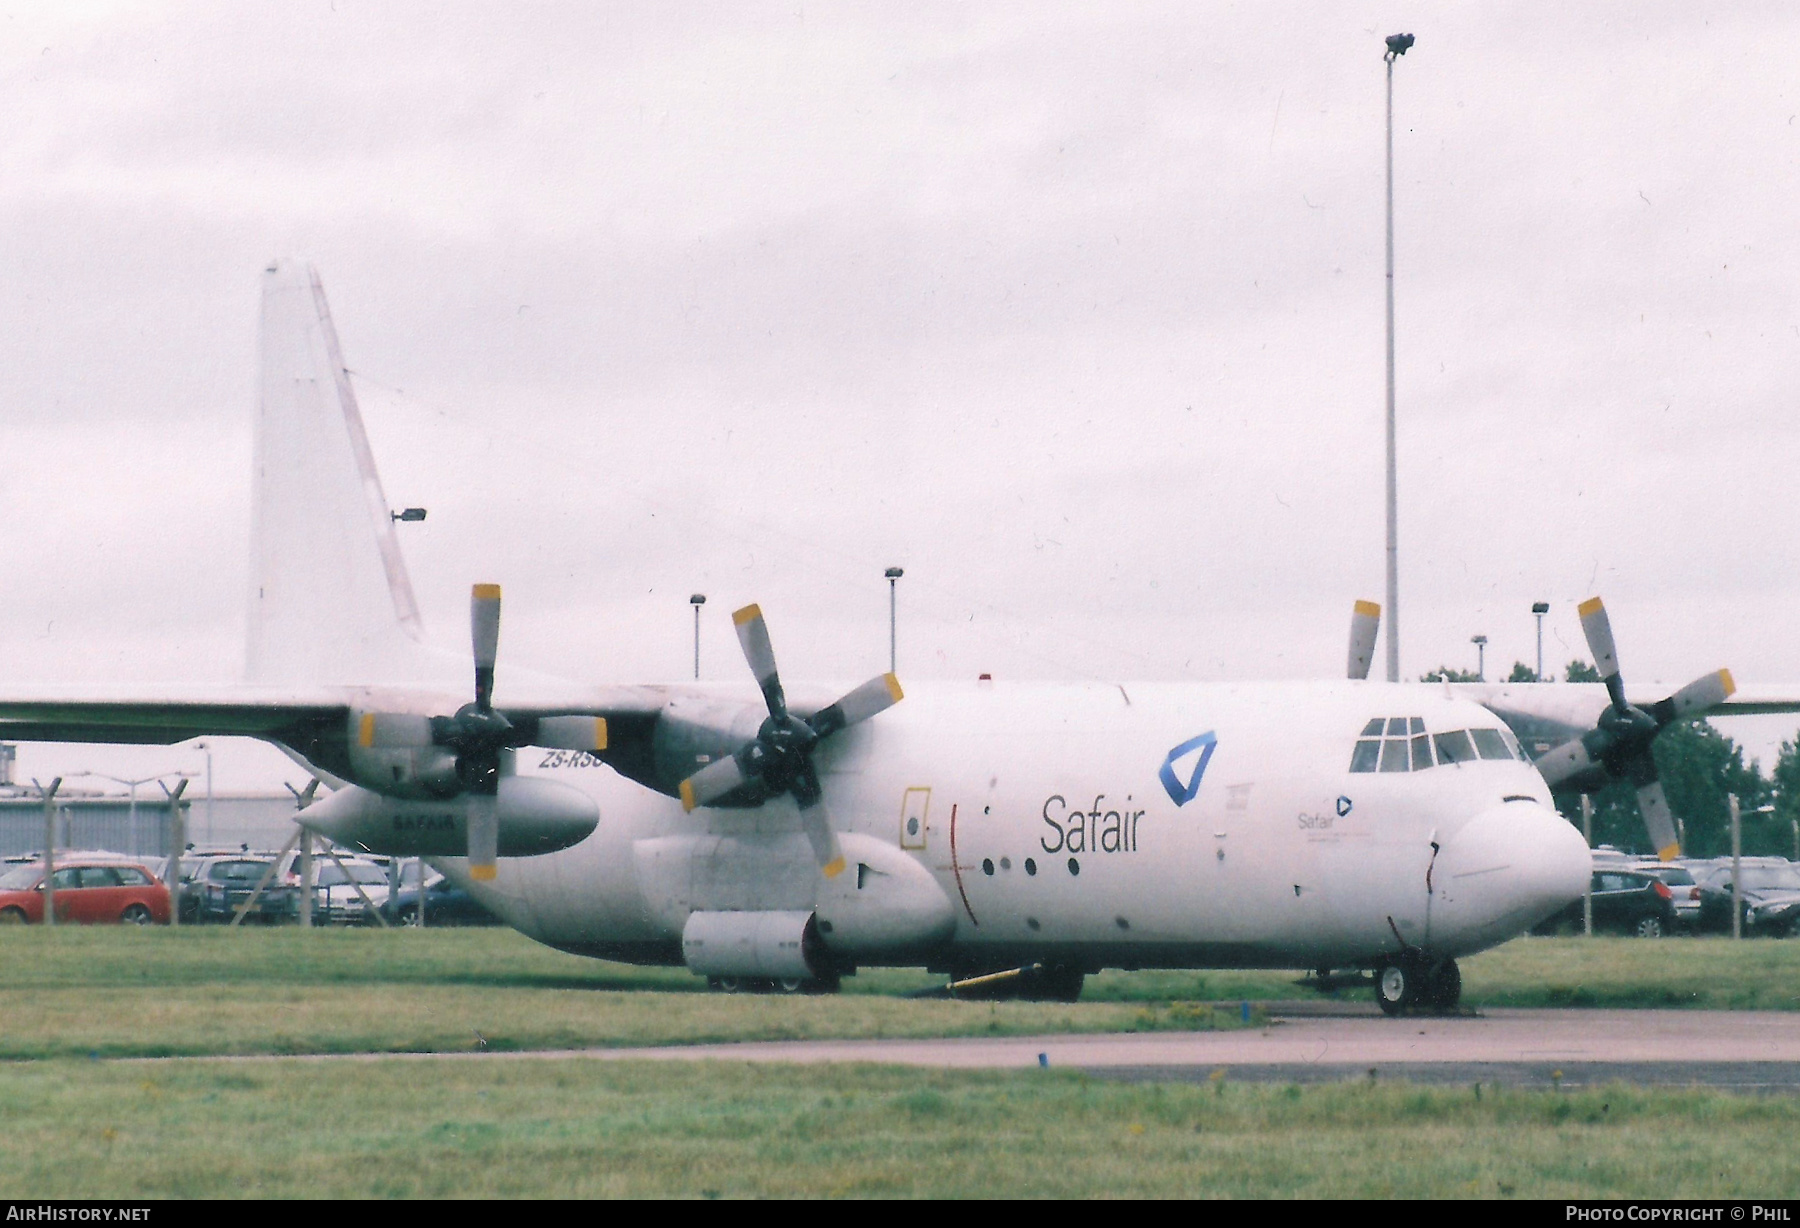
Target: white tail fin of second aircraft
x,y
330,601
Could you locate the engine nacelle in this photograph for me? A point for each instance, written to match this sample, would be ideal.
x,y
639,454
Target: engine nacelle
x,y
536,816
393,754
772,945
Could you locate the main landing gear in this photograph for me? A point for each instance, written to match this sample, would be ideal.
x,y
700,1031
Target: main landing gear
x,y
1413,983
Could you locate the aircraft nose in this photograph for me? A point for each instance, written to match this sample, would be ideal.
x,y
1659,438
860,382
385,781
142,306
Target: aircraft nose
x,y
1508,868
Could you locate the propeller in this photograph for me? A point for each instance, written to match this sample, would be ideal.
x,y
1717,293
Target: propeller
x,y
1619,744
1365,623
478,734
779,758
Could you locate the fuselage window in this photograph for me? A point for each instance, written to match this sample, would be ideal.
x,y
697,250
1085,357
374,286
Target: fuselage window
x,y
1489,744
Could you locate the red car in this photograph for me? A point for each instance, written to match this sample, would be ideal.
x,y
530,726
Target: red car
x,y
87,893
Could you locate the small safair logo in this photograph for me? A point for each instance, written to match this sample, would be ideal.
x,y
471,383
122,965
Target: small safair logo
x,y
1179,793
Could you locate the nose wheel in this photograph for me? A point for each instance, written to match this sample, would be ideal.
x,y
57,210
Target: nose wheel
x,y
1408,983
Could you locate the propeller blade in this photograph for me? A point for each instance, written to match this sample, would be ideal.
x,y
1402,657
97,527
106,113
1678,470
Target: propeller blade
x,y
753,634
1565,762
484,632
393,730
1659,820
484,836
1365,624
1597,627
572,733
875,695
822,835
712,782
1698,696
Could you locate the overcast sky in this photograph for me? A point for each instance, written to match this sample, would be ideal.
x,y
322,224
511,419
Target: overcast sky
x,y
1073,311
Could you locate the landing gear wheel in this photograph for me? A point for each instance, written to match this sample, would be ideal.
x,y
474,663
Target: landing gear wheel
x,y
1397,986
729,984
1443,987
793,984
1649,927
1058,984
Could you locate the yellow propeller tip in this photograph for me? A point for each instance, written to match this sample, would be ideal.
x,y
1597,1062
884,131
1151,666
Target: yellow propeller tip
x,y
687,796
1591,605
1668,852
749,612
1730,683
835,868
893,685
483,874
487,592
1368,609
366,734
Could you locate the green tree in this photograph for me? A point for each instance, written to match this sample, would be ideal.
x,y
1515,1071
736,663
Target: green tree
x,y
1786,790
1444,673
1581,671
1522,672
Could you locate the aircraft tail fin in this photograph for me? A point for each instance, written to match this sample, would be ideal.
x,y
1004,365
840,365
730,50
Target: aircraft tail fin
x,y
329,599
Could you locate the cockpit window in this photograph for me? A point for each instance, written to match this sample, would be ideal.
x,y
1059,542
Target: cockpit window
x,y
1455,747
1400,744
1489,744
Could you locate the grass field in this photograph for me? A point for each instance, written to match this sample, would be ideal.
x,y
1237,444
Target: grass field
x,y
114,992
386,1126
578,1128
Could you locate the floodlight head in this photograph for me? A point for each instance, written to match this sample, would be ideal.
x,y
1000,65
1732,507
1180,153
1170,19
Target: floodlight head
x,y
1398,43
410,515
697,599
894,573
1478,639
1540,607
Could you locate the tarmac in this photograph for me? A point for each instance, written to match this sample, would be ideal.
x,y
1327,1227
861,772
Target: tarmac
x,y
1743,1050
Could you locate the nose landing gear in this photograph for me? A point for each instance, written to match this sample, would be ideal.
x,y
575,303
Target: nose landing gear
x,y
1412,982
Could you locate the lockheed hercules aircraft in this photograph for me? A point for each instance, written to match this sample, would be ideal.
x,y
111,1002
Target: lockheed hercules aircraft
x,y
1029,832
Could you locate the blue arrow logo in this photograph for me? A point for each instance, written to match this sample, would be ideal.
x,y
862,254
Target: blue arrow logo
x,y
1179,793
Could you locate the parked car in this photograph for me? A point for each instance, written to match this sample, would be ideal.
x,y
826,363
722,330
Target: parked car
x,y
445,904
89,891
1771,897
1682,886
336,899
1625,902
225,883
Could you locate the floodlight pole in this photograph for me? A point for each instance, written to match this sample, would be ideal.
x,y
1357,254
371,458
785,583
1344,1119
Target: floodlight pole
x,y
1396,47
893,575
1540,608
697,600
1480,642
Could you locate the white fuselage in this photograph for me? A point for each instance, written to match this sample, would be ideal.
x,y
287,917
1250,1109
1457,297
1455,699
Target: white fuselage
x,y
1041,814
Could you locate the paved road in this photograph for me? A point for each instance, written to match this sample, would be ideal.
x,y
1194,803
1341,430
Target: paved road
x,y
1743,1049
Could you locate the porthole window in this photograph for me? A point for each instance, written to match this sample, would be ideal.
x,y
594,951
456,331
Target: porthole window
x,y
1074,866
1030,866
987,866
